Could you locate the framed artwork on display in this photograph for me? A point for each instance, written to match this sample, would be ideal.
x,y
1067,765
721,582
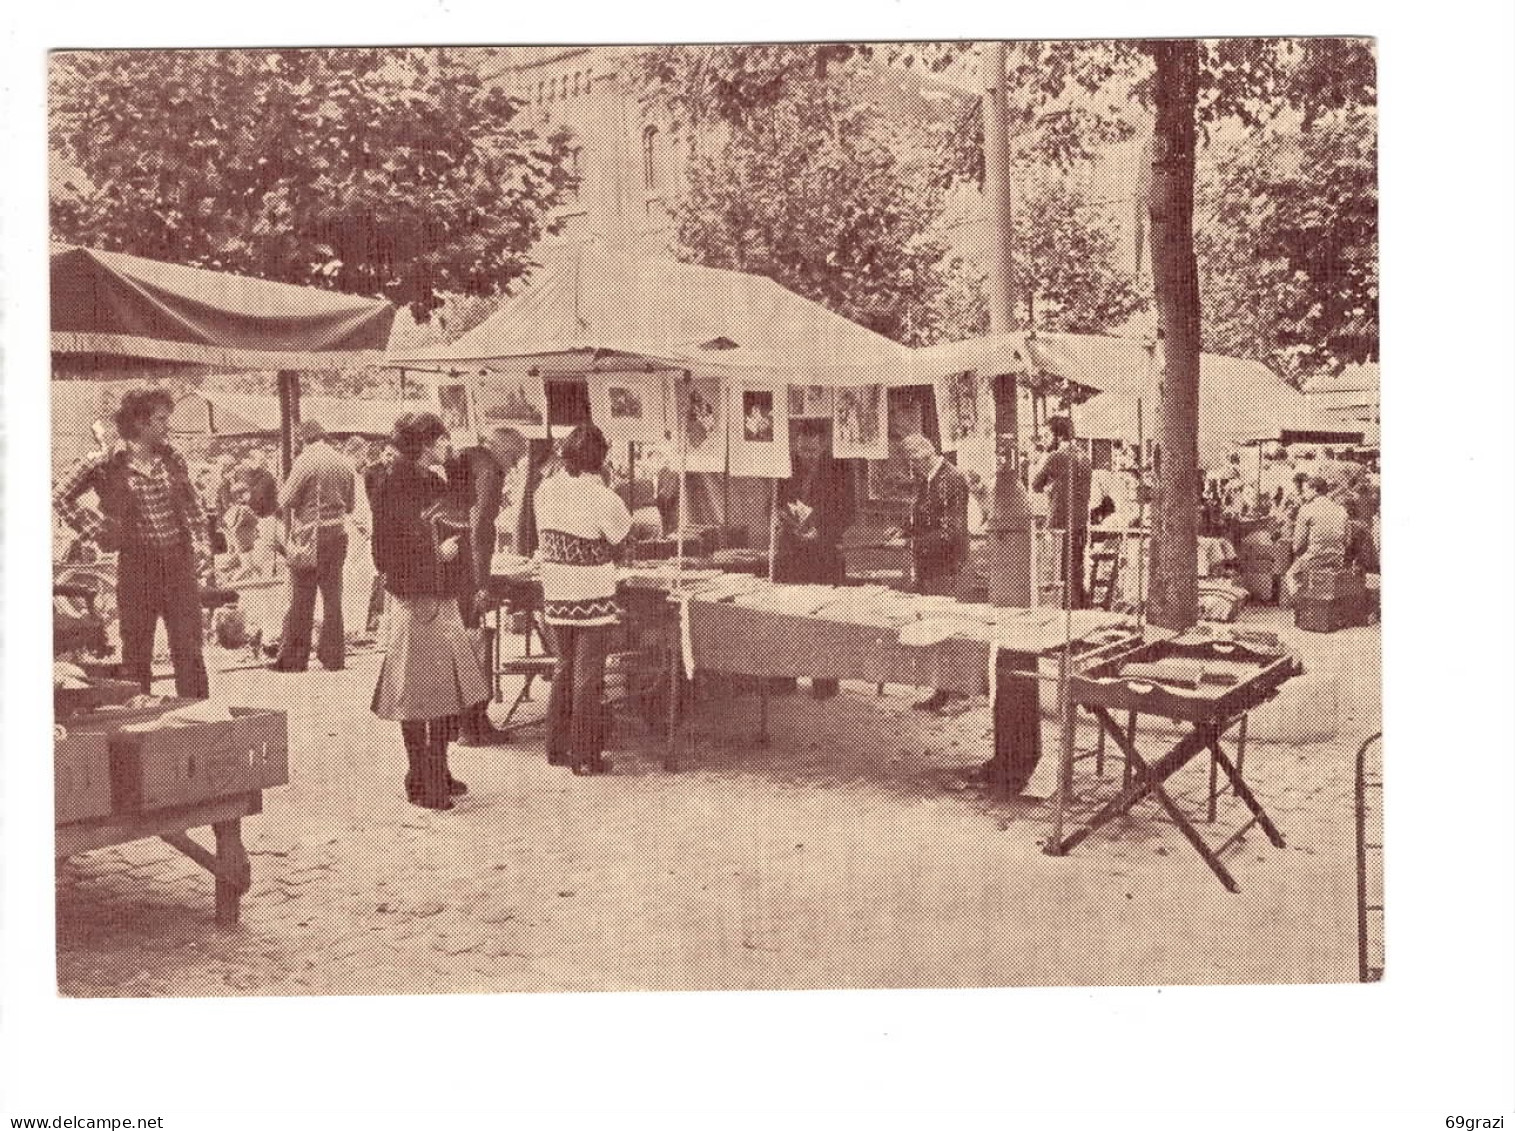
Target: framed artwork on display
x,y
760,431
628,406
453,408
701,426
518,400
859,427
809,402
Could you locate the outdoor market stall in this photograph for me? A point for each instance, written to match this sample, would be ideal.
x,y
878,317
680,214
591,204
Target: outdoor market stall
x,y
160,768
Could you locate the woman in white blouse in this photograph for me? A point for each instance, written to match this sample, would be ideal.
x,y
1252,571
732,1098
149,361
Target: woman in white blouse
x,y
580,524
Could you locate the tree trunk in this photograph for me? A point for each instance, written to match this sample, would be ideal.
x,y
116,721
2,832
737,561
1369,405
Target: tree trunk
x,y
1174,598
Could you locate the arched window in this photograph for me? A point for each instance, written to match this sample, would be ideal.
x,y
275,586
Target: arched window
x,y
578,83
650,158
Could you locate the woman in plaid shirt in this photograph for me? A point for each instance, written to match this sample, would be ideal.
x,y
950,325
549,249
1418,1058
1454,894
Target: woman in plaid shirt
x,y
150,514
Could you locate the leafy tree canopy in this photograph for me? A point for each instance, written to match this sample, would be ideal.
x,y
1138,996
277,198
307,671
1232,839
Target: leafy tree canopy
x,y
808,188
372,171
1288,245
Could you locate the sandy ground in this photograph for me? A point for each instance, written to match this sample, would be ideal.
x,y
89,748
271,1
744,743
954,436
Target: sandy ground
x,y
855,849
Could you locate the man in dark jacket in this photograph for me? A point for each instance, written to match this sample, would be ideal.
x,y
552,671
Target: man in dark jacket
x,y
476,480
150,513
1066,475
938,530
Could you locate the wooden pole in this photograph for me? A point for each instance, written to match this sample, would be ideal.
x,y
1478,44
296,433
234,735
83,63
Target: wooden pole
x,y
1175,512
289,418
1010,581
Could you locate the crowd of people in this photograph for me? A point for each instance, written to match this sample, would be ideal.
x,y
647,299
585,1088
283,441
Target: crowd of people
x,y
430,518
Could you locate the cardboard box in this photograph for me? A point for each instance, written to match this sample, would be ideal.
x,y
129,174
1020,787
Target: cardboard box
x,y
180,765
81,777
82,787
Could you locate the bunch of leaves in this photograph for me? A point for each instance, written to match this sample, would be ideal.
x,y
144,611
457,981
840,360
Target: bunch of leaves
x,y
1289,245
812,191
392,172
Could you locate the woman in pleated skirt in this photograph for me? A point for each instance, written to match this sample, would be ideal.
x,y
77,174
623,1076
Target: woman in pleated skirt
x,y
430,674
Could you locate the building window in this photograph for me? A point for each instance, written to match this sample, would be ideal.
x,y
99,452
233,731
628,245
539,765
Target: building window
x,y
650,158
578,83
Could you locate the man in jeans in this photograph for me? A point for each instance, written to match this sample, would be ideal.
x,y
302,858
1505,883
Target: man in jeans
x,y
318,496
150,514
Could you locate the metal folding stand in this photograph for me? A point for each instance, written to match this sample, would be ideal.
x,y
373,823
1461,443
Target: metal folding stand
x,y
1147,779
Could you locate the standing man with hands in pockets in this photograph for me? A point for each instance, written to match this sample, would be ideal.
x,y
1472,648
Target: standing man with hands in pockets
x,y
317,497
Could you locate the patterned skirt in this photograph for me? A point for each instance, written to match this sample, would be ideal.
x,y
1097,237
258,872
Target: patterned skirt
x,y
432,665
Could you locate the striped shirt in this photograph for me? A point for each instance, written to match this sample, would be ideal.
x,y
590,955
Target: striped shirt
x,y
150,483
580,521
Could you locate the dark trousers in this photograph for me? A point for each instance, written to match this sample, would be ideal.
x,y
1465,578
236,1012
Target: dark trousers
x,y
1072,562
294,642
475,721
575,708
152,583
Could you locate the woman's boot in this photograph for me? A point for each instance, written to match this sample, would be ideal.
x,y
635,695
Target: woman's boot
x,y
432,793
414,734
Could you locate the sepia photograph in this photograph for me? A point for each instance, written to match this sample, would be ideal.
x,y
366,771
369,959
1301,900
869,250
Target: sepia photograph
x,y
453,402
601,520
757,416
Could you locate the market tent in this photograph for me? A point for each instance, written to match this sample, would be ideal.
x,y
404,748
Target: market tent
x,y
1090,360
1350,396
593,309
1240,401
123,316
229,414
108,304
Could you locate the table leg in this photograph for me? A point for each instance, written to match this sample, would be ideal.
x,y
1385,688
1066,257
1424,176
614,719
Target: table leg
x,y
671,745
235,873
1241,747
1146,778
1250,801
762,735
1210,802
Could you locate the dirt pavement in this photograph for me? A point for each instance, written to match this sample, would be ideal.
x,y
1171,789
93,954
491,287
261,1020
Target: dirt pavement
x,y
855,849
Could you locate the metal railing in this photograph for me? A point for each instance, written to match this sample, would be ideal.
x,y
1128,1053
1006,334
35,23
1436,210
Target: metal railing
x,y
1369,796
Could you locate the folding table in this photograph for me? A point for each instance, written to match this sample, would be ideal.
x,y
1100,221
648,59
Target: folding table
x,y
1242,675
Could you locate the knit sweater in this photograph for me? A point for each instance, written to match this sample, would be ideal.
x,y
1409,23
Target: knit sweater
x,y
580,522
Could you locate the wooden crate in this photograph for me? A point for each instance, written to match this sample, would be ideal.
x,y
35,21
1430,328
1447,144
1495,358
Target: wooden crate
x,y
180,765
1315,614
81,777
1331,584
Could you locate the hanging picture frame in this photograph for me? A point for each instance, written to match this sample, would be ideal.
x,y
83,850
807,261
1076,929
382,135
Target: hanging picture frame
x,y
628,406
516,400
759,415
961,410
859,426
701,424
810,402
455,408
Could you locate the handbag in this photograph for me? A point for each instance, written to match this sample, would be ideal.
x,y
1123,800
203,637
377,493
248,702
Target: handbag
x,y
302,544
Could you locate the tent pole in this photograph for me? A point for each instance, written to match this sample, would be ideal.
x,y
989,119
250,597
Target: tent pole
x,y
773,526
676,648
289,418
